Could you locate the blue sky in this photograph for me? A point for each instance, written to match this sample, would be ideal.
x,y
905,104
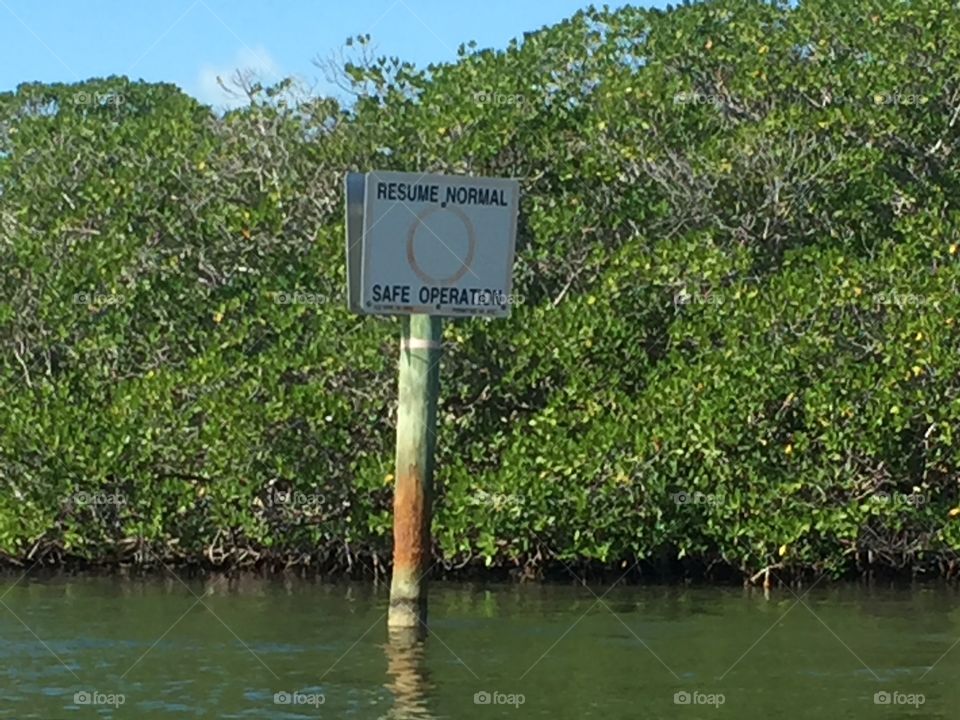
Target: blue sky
x,y
190,42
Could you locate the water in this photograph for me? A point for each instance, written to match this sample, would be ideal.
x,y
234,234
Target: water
x,y
222,649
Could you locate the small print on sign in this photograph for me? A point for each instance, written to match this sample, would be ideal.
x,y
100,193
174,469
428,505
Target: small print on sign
x,y
438,244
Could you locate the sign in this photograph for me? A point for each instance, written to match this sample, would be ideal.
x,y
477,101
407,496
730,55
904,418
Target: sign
x,y
424,245
436,244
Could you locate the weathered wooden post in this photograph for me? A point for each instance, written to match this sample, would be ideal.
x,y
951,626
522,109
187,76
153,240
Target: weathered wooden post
x,y
425,246
419,384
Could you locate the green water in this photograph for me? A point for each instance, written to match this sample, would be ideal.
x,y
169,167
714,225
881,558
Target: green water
x,y
223,649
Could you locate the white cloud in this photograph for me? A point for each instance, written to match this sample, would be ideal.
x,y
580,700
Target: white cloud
x,y
256,61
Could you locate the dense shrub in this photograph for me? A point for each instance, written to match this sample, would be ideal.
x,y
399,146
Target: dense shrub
x,y
738,344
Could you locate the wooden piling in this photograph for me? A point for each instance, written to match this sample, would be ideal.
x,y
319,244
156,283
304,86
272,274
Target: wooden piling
x,y
419,385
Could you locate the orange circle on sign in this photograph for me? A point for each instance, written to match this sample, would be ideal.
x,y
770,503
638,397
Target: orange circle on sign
x,y
464,264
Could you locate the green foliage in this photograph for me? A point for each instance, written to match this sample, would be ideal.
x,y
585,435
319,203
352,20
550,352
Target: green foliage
x,y
738,262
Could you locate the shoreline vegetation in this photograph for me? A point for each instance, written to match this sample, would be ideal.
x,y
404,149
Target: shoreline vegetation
x,y
361,569
734,346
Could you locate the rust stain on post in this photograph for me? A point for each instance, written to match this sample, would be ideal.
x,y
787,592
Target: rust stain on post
x,y
411,520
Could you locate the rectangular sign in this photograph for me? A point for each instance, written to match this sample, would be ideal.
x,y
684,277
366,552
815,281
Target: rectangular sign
x,y
438,244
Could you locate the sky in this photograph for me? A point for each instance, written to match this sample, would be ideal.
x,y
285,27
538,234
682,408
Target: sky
x,y
191,42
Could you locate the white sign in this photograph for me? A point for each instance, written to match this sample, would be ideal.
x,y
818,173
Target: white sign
x,y
438,244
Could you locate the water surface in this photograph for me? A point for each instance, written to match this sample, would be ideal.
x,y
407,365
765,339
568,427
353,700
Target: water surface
x,y
78,647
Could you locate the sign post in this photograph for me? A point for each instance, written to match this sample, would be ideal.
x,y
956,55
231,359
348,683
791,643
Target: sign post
x,y
419,385
425,246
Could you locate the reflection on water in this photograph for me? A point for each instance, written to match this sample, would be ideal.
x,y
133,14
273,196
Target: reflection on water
x,y
286,648
407,674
